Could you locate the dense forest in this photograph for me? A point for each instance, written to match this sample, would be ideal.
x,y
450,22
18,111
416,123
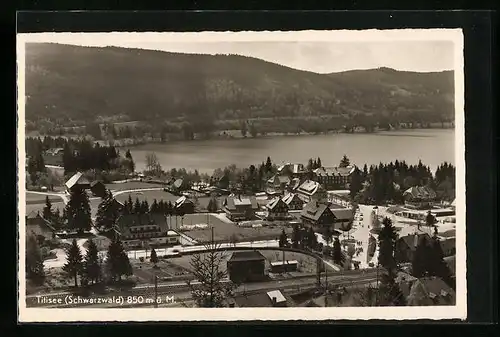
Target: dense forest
x,y
188,94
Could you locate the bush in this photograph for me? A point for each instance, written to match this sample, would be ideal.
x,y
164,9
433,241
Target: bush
x,y
141,258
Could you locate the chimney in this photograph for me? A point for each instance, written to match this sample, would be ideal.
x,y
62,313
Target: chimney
x,y
274,301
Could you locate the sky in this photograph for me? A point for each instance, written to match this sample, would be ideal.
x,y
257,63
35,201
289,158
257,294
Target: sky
x,y
421,55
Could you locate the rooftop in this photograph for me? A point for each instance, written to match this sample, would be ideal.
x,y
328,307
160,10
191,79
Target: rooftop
x,y
234,202
77,178
250,255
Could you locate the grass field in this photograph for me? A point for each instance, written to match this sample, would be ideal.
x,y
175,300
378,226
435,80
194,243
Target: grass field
x,y
223,230
132,185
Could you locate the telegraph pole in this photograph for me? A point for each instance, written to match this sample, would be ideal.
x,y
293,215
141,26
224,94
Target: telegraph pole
x,y
326,285
156,290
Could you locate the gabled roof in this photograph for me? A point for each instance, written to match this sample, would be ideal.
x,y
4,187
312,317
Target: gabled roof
x,y
96,182
178,183
233,202
294,168
77,178
275,202
291,197
342,213
421,192
412,240
334,171
251,255
295,183
309,187
126,221
431,291
313,210
182,200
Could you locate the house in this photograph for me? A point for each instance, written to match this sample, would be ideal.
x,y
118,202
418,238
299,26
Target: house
x,y
340,197
184,205
268,299
406,246
38,226
334,177
136,230
292,170
178,185
277,209
430,291
419,197
278,182
246,266
287,266
294,185
293,202
98,188
317,215
343,217
239,208
77,181
311,190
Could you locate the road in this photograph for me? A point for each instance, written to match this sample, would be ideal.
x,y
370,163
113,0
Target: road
x,y
143,295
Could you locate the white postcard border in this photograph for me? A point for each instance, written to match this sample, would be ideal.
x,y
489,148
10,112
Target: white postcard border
x,y
459,311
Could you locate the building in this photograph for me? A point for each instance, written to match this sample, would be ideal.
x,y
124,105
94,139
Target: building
x,y
270,299
419,197
246,266
317,215
287,266
98,188
294,185
292,170
293,202
138,230
184,205
38,226
334,177
406,246
277,209
430,291
344,217
311,190
340,197
278,182
77,181
238,208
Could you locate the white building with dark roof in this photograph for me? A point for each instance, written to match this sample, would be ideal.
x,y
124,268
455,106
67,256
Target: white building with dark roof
x,y
311,190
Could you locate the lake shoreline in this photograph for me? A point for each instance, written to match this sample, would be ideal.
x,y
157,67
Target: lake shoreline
x,y
268,136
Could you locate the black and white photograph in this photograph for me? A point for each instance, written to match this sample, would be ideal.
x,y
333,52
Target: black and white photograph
x,y
285,175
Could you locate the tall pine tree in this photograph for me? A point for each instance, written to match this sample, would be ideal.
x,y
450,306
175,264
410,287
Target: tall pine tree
x,y
77,211
91,265
107,212
74,261
47,210
117,261
387,241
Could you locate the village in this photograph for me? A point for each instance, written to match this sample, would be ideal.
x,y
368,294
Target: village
x,y
302,228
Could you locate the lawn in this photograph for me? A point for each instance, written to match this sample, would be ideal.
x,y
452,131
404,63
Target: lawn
x,y
132,185
34,198
167,271
223,230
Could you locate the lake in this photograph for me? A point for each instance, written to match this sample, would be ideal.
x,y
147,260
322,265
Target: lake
x,y
432,146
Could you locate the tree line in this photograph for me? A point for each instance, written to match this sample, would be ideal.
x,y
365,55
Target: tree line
x,y
387,182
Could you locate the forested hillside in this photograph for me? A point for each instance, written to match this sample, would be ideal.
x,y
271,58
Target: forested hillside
x,y
74,86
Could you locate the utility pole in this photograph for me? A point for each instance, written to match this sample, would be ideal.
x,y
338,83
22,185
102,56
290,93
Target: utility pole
x,y
326,285
156,290
377,291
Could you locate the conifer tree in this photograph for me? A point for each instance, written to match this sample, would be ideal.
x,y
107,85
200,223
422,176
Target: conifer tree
x,y
78,211
117,261
130,205
337,251
74,261
212,206
107,212
387,241
154,257
154,207
137,206
91,265
34,260
47,210
283,241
